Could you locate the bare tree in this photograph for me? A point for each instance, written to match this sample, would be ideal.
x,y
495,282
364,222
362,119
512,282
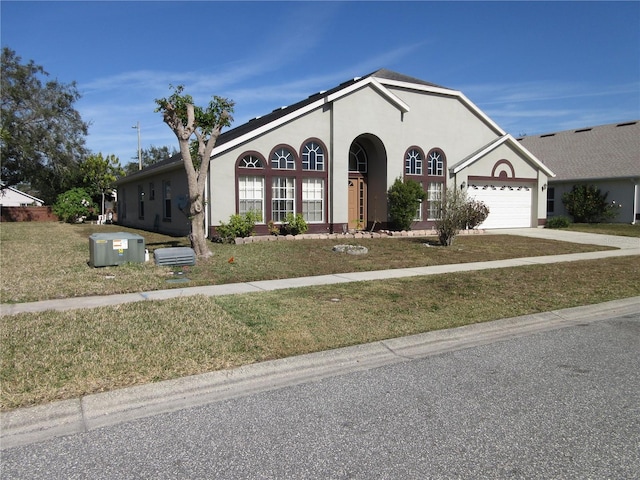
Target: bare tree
x,y
187,120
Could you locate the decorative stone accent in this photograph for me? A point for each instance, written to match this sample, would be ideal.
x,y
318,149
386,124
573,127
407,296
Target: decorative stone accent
x,y
351,249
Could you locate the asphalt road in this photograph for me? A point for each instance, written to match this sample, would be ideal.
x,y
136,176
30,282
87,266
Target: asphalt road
x,y
556,404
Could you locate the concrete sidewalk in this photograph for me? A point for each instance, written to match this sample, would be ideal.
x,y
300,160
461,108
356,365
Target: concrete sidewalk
x,y
626,246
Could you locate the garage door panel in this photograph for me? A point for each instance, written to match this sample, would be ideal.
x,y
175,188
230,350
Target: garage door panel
x,y
509,206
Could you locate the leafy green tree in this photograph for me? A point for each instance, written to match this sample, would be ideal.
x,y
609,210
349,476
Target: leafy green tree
x,y
404,199
73,205
587,204
42,136
197,130
150,156
100,174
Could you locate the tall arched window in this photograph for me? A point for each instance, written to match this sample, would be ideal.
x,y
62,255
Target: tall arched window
x,y
436,162
251,180
313,195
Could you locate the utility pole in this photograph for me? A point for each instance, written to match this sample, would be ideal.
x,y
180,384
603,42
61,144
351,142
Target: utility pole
x,y
137,126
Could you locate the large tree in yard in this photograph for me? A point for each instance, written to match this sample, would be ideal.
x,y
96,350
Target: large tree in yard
x,y
42,135
197,130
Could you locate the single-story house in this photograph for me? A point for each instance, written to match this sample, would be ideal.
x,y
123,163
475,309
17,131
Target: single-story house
x,y
607,156
12,197
333,156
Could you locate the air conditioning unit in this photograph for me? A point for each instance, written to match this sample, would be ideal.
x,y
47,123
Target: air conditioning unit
x,y
107,249
175,256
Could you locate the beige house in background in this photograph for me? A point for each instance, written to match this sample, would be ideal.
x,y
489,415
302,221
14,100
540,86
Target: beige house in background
x,y
333,156
607,156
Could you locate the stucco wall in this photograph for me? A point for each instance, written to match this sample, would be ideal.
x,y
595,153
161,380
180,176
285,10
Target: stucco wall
x,y
128,203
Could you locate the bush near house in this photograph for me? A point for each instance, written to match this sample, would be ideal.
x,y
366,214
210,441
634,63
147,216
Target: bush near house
x,y
404,200
587,204
238,226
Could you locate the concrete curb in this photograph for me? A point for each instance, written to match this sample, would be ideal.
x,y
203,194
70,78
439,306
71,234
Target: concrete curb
x,y
37,424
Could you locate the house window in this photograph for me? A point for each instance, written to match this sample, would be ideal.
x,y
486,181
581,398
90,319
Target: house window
x,y
140,202
312,157
551,199
152,191
434,198
313,199
282,198
251,161
283,158
435,163
357,158
166,198
251,195
413,162
418,216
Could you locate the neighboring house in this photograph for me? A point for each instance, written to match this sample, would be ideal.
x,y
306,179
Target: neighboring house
x,y
12,197
333,156
607,156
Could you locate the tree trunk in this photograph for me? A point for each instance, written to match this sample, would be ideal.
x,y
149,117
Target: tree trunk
x,y
198,237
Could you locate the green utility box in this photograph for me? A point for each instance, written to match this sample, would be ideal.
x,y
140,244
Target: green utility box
x,y
106,249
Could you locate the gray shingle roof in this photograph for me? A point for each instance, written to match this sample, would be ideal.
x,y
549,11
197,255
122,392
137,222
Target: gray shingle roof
x,y
605,151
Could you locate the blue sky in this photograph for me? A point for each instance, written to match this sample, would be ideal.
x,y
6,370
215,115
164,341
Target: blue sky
x,y
533,67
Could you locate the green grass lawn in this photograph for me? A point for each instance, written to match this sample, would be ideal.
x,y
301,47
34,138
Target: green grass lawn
x,y
43,261
59,355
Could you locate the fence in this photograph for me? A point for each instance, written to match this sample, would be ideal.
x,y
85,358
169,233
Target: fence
x,y
27,214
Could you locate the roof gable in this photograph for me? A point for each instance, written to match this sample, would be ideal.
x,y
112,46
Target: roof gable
x,y
504,140
605,151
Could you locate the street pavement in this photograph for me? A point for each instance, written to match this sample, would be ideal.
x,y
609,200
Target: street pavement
x,y
544,396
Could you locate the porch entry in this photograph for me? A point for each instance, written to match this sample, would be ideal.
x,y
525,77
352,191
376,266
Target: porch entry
x,y
357,202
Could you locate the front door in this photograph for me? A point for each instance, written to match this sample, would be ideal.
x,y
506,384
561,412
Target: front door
x,y
357,202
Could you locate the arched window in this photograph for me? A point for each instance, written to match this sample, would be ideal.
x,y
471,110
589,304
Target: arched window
x,y
283,158
413,161
312,156
251,181
251,161
357,158
436,163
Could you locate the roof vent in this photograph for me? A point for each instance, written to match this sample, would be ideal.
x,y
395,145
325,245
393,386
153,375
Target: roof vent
x,y
626,124
583,130
548,135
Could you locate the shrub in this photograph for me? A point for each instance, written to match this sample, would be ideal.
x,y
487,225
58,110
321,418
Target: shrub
x,y
294,224
73,205
453,216
404,199
586,204
558,222
475,212
238,226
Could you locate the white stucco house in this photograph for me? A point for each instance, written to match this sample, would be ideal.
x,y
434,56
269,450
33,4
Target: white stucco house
x,y
333,156
606,156
12,197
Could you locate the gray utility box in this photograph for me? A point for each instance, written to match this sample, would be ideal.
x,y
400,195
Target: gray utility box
x,y
106,249
175,256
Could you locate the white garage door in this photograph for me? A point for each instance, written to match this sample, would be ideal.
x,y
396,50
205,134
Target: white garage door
x,y
509,205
